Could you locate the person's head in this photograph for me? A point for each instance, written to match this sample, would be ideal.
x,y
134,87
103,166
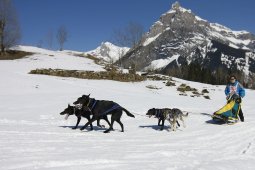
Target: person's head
x,y
232,79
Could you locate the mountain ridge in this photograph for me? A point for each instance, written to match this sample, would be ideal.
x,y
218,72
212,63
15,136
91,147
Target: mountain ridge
x,y
108,52
180,37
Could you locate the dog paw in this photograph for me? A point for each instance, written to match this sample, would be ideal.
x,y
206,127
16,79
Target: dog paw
x,y
107,131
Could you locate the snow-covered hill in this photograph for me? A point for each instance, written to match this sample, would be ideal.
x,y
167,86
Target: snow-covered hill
x,y
34,136
43,58
109,52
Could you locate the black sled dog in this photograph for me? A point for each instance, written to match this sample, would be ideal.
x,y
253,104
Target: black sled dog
x,y
101,108
81,112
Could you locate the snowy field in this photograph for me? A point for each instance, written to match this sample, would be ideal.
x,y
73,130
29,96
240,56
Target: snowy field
x,y
34,136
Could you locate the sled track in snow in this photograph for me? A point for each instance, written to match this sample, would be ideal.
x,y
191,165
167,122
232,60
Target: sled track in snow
x,y
246,150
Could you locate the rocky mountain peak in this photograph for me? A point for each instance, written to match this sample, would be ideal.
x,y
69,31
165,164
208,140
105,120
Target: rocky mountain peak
x,y
176,20
176,5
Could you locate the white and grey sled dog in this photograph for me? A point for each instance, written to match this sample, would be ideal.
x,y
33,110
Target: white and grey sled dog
x,y
173,116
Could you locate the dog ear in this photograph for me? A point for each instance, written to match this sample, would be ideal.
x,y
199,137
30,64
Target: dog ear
x,y
88,95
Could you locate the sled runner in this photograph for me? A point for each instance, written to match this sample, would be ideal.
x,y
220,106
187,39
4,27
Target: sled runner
x,y
229,112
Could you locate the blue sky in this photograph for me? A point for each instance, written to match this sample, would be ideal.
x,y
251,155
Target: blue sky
x,y
90,22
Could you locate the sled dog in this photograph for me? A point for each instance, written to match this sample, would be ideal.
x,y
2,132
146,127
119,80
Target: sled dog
x,y
173,116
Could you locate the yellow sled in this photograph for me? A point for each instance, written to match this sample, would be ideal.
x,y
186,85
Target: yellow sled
x,y
229,112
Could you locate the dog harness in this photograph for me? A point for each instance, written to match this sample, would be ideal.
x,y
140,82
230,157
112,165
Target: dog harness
x,y
160,113
116,106
93,105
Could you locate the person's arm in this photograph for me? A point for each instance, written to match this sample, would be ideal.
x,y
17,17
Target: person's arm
x,y
241,91
227,90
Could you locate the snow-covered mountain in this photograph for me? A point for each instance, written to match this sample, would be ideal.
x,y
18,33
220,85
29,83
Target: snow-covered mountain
x,y
33,135
180,37
108,52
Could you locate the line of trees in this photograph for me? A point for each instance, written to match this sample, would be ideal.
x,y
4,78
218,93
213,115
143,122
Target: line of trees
x,y
194,72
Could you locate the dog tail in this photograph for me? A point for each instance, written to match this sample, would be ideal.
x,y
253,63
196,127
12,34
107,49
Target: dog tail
x,y
127,112
185,115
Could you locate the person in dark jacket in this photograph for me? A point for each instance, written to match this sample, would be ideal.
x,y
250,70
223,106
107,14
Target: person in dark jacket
x,y
235,87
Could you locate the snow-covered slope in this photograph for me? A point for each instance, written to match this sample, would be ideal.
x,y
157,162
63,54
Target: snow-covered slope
x,y
108,52
34,136
43,58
